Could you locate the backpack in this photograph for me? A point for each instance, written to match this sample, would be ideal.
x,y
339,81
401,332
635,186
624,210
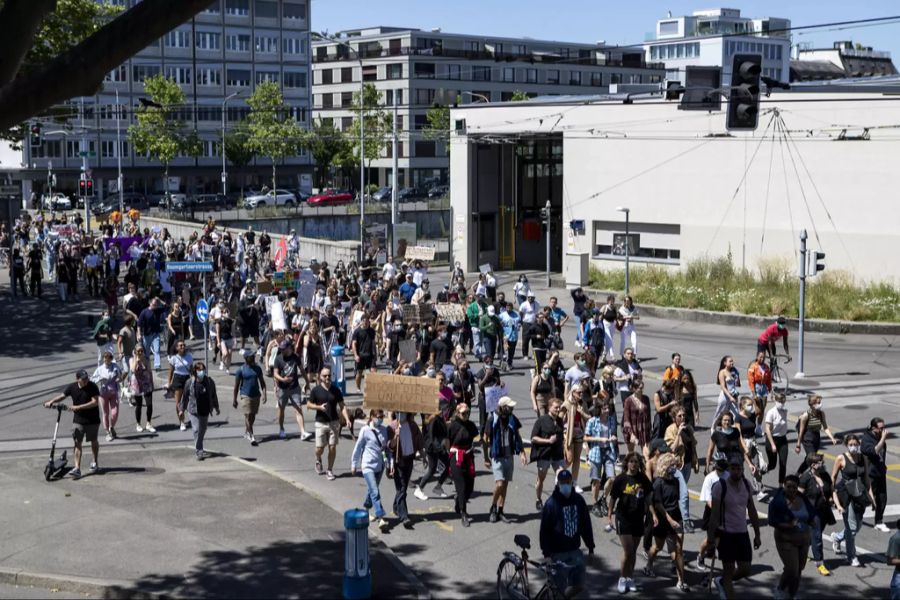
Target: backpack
x,y
595,336
724,484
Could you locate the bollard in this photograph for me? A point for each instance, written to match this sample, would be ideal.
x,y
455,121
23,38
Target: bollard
x,y
337,368
357,575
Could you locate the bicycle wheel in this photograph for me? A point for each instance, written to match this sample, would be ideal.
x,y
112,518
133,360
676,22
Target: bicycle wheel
x,y
780,382
510,582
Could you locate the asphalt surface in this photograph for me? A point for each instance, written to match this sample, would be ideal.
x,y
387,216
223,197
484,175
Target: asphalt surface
x,y
45,343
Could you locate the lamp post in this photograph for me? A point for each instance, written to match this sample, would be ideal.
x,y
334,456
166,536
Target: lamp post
x,y
627,212
475,95
224,172
362,136
119,179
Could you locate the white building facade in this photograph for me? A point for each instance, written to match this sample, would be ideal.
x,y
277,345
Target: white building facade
x,y
711,38
683,178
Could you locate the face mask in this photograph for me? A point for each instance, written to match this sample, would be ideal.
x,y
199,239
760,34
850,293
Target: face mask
x,y
582,364
547,372
818,406
853,449
779,405
727,430
201,375
430,372
565,489
750,409
378,422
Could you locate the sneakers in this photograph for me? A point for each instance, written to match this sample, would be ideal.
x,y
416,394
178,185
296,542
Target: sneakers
x,y
200,456
382,524
578,489
149,428
329,475
608,527
465,520
761,495
138,428
281,434
538,505
221,365
823,570
700,565
420,494
252,439
854,562
720,588
595,510
502,516
306,436
94,468
493,517
439,492
648,571
75,473
631,585
110,437
622,587
836,545
319,469
183,426
882,528
682,586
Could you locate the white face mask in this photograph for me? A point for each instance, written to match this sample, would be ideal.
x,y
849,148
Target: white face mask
x,y
779,405
818,406
750,409
853,449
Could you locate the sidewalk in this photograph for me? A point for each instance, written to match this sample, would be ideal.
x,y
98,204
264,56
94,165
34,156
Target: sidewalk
x,y
158,523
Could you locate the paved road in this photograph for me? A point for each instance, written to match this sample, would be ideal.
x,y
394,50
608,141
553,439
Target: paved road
x,y
856,374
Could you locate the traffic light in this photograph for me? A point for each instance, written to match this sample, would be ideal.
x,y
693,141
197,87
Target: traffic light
x,y
544,214
819,258
86,187
36,137
743,101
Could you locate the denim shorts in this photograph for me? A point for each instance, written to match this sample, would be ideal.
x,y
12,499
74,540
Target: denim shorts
x,y
502,468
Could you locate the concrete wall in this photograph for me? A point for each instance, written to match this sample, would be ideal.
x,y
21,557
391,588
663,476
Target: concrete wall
x,y
326,250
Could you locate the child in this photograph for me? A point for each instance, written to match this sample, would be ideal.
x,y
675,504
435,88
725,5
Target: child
x,y
600,434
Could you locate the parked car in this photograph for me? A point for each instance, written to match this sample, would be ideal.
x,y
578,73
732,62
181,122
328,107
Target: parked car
x,y
331,197
438,191
277,197
56,201
409,194
382,195
134,200
207,201
174,200
102,208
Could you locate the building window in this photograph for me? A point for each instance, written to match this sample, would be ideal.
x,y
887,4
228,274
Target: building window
x,y
668,28
346,74
294,80
346,123
509,74
178,39
615,78
519,49
574,77
237,8
531,75
213,9
553,76
294,11
635,78
346,99
327,76
424,97
395,71
425,149
266,44
265,9
140,73
655,79
237,42
180,75
649,242
389,97
481,73
209,113
597,79
262,76
292,45
209,76
327,100
238,77
117,75
370,73
208,40
424,70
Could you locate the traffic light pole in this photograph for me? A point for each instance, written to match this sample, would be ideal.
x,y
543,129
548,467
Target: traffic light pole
x,y
803,236
84,167
548,242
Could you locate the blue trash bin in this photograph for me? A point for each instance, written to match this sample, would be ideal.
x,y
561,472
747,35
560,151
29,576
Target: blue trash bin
x,y
357,573
337,368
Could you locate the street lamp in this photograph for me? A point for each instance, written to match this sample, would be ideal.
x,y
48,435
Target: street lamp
x,y
224,172
119,179
627,212
476,95
362,137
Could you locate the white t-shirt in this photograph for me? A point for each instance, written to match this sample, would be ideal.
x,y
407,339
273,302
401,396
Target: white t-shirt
x,y
528,311
778,420
706,488
388,271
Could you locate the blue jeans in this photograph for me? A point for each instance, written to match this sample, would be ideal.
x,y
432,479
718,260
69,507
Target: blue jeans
x,y
683,475
476,341
815,540
198,426
577,320
574,576
852,525
895,587
151,346
490,345
373,494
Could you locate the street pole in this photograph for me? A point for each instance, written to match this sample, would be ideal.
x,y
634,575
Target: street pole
x,y
396,182
50,181
362,155
548,242
120,180
205,325
803,237
224,172
627,249
84,166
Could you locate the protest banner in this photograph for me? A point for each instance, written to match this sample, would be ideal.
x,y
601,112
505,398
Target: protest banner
x,y
408,351
492,395
449,313
485,268
414,314
400,393
278,320
448,371
419,253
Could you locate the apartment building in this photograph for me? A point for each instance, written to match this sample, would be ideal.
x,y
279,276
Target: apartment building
x,y
843,59
711,38
226,49
421,68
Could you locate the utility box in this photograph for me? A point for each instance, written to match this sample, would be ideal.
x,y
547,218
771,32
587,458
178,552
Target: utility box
x,y
577,269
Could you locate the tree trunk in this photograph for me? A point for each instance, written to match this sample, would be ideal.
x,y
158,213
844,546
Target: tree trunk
x,y
274,193
166,196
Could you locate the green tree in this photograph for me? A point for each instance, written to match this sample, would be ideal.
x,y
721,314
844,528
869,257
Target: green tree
x,y
159,131
438,128
519,96
377,123
328,146
54,50
271,133
238,152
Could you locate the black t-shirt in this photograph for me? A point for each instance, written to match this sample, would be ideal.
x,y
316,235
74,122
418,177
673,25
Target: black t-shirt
x,y
665,494
365,342
289,367
747,426
83,395
441,351
462,433
330,397
135,305
729,444
631,494
493,378
544,427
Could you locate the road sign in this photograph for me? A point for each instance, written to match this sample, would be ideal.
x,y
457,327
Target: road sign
x,y
189,267
202,310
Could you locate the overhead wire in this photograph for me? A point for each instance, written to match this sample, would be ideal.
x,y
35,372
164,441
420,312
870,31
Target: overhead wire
x,y
812,220
762,240
787,192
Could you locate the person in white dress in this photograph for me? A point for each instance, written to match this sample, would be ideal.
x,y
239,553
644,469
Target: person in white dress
x,y
628,312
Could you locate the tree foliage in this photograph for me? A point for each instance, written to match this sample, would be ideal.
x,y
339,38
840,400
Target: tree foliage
x,y
271,132
328,146
377,122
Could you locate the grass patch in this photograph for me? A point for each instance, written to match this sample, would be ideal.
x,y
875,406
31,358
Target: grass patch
x,y
771,289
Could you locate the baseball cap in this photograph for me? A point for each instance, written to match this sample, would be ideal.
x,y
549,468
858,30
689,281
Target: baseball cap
x,y
284,344
563,474
81,374
721,464
781,320
506,401
247,353
490,310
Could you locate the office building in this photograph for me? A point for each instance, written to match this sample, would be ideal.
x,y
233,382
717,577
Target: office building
x,y
844,59
420,68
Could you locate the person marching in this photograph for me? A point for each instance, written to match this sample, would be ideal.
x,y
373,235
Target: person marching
x,y
505,442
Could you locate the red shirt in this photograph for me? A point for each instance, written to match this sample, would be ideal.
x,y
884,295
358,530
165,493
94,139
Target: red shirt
x,y
772,333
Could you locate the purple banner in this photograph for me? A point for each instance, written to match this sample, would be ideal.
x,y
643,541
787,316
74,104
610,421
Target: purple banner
x,y
124,243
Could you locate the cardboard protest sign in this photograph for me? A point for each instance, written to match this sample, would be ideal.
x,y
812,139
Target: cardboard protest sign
x,y
419,253
414,314
408,351
401,393
278,319
485,268
449,313
492,395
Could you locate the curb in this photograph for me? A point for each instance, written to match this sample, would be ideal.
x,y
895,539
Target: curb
x,y
101,588
731,318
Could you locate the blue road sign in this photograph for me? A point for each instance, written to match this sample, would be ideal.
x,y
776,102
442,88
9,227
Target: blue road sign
x,y
189,267
202,310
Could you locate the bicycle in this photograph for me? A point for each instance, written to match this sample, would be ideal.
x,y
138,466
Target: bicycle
x,y
512,574
780,381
